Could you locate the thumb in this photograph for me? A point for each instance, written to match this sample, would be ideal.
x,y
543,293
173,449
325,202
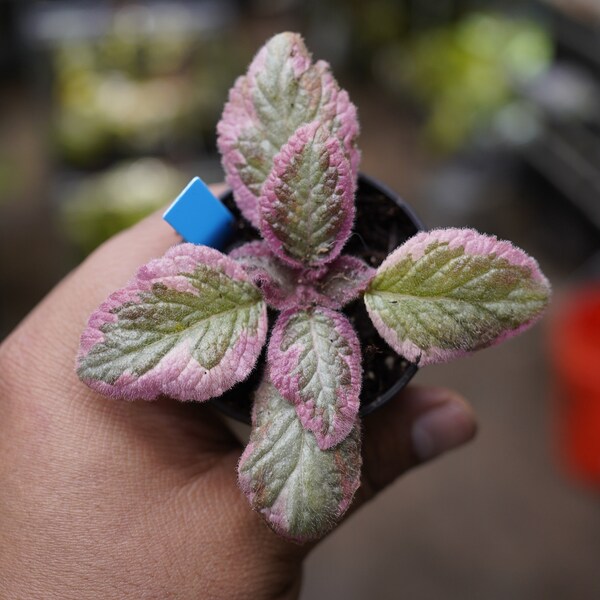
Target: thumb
x,y
418,425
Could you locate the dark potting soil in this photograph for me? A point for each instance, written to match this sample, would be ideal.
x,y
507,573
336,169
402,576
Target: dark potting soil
x,y
383,222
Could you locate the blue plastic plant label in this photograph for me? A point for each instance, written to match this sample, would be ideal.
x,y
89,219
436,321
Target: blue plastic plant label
x,y
199,217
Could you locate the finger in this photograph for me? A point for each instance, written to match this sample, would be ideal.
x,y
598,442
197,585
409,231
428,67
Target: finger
x,y
417,426
116,261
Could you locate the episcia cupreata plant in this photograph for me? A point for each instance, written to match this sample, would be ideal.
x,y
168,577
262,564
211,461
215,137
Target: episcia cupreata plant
x,y
191,324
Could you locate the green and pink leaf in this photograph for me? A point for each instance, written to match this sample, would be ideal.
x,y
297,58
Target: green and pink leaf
x,y
307,203
189,325
283,287
299,489
346,279
314,361
281,92
448,292
339,112
277,281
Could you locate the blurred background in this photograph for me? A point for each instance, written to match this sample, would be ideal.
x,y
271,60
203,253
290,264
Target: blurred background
x,y
482,114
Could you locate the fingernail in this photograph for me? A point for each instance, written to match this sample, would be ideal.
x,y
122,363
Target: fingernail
x,y
443,427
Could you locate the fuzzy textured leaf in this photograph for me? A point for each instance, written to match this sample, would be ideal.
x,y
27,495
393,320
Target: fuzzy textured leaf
x,y
281,92
346,279
277,281
315,363
189,325
447,292
283,287
307,203
300,490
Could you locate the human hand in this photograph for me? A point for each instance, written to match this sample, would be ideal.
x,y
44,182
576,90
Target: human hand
x,y
111,499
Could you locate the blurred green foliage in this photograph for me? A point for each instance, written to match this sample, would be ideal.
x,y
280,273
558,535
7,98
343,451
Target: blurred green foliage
x,y
11,177
464,73
104,204
126,94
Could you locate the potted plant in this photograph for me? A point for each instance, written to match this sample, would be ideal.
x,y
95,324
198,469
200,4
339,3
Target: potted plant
x,y
192,324
383,221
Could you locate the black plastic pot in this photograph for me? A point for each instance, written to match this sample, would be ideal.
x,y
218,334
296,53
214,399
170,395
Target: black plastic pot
x,y
383,222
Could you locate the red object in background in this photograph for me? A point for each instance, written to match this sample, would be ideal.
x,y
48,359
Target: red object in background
x,y
576,361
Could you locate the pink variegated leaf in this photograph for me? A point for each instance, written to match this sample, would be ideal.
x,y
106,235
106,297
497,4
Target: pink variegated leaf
x,y
307,203
189,325
346,279
339,113
281,92
447,292
277,281
283,287
245,162
300,490
315,362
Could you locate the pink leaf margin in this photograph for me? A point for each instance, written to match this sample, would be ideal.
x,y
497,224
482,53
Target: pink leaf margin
x,y
336,111
277,281
346,279
177,374
474,243
346,187
333,286
276,515
281,365
341,113
239,116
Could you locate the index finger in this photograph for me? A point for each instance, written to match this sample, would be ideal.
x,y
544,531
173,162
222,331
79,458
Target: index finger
x,y
114,263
